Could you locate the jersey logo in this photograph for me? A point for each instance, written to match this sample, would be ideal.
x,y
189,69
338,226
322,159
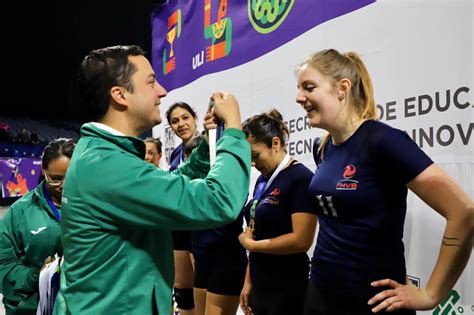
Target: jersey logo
x,y
271,200
347,183
275,192
38,230
349,171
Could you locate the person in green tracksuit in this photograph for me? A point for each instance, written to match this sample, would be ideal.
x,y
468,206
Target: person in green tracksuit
x,y
30,232
119,210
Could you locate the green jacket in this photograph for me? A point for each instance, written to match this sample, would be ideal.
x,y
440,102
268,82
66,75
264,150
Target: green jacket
x,y
119,211
29,232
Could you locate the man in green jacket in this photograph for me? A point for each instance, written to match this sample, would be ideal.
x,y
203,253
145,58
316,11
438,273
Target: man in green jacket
x,y
118,210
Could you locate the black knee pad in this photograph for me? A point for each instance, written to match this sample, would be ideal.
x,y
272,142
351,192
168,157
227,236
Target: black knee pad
x,y
184,298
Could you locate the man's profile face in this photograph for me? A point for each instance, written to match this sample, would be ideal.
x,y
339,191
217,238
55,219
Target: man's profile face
x,y
144,102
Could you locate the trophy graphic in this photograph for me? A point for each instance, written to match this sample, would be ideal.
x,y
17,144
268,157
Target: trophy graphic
x,y
174,31
170,37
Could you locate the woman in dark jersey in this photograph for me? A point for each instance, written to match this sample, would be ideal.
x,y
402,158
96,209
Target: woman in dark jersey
x,y
182,119
220,263
364,168
281,222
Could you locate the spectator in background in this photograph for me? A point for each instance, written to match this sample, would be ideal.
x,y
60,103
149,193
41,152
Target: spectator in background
x,y
34,138
5,133
23,136
153,151
30,232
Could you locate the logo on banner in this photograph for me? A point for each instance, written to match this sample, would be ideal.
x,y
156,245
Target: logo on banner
x,y
174,31
199,35
267,15
348,183
17,185
20,175
448,305
219,32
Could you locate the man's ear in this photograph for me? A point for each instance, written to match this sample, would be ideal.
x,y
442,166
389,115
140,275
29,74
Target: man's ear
x,y
118,95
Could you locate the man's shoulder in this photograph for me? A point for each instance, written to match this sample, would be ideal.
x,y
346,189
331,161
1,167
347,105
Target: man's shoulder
x,y
90,147
92,153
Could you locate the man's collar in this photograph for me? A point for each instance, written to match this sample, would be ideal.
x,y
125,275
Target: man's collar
x,y
107,128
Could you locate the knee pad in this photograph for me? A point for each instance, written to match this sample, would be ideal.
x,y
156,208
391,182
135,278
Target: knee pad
x,y
184,298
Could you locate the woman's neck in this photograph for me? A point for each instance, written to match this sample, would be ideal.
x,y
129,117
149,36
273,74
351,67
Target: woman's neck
x,y
189,139
346,130
56,200
278,159
54,197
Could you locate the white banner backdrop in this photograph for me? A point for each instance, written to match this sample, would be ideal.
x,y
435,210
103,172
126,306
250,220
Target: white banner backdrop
x,y
420,56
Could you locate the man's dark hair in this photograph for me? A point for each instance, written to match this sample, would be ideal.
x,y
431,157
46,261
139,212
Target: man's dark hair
x,y
102,69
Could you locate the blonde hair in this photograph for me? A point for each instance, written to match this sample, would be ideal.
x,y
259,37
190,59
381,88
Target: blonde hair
x,y
336,66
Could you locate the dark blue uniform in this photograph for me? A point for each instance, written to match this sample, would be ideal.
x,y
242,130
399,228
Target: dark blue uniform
x,y
359,189
181,239
177,156
220,260
280,280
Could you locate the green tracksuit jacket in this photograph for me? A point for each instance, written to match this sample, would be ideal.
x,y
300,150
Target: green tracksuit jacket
x,y
119,211
29,232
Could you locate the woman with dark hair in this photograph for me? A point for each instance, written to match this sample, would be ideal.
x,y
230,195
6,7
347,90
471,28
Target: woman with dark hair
x,y
153,150
182,120
30,232
281,222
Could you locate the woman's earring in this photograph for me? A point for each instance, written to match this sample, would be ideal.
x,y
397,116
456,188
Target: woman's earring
x,y
341,97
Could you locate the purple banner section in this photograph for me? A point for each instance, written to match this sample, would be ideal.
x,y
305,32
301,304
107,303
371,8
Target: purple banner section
x,y
192,38
19,175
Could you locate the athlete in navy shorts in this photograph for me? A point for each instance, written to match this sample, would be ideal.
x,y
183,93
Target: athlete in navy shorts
x,y
281,221
182,119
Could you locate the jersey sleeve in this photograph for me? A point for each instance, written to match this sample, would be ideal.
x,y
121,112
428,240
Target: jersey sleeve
x,y
397,155
300,200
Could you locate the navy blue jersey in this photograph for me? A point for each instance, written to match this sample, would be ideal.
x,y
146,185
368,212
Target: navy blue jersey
x,y
177,156
219,247
287,194
359,189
